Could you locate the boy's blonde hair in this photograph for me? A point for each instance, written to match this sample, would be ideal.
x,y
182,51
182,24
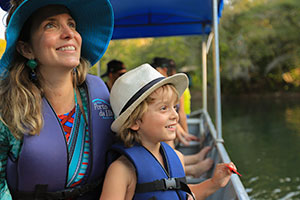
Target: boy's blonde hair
x,y
129,136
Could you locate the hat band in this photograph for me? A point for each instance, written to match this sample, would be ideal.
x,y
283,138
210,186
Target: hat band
x,y
139,93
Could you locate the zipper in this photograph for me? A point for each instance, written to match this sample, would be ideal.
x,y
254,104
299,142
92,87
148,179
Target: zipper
x,y
90,132
164,159
66,145
167,165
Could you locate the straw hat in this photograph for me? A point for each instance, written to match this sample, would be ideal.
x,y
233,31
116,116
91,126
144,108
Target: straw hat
x,y
94,22
136,85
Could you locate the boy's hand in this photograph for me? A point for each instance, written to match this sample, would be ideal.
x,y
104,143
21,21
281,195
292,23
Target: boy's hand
x,y
222,174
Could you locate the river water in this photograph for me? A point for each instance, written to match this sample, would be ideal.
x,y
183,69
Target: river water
x,y
262,137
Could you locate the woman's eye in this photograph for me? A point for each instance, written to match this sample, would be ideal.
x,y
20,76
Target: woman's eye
x,y
72,25
49,25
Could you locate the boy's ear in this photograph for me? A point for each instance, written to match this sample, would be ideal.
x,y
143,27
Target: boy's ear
x,y
135,126
25,50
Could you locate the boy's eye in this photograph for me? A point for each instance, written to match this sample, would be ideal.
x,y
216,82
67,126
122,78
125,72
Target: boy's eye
x,y
163,108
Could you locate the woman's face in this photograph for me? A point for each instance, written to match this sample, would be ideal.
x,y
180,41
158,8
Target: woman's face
x,y
54,42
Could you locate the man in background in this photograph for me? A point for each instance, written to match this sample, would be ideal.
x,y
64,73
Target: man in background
x,y
115,69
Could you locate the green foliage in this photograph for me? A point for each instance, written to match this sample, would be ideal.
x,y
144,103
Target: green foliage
x,y
135,52
259,43
138,51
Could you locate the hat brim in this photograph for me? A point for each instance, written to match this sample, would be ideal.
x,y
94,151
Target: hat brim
x,y
180,82
94,21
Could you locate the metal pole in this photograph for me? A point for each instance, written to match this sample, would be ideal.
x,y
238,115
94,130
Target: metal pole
x,y
99,68
217,72
204,73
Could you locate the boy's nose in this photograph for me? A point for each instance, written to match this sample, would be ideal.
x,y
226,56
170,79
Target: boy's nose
x,y
174,114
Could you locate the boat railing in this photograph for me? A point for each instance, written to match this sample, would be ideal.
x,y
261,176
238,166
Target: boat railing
x,y
201,125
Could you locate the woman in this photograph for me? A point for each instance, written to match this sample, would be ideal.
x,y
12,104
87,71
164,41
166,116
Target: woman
x,y
55,119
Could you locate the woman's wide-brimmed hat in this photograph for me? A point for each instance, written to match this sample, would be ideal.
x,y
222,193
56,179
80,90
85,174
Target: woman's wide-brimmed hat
x,y
136,85
94,21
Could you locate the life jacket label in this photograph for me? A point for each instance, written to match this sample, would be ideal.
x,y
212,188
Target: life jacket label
x,y
103,108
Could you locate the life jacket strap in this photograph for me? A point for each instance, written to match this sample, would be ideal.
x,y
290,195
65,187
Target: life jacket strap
x,y
41,193
163,185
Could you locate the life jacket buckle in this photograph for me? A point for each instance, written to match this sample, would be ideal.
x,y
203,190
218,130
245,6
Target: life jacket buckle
x,y
170,184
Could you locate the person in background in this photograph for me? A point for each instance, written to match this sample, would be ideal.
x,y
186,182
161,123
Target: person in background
x,y
115,69
187,102
186,96
55,118
166,68
146,116
161,65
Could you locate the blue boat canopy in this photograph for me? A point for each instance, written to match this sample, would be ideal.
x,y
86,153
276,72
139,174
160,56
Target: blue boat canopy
x,y
157,18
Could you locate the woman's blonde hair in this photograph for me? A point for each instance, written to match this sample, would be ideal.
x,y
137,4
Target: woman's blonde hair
x,y
129,136
20,98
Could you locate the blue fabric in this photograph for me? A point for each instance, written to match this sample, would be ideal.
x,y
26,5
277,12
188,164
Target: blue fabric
x,y
148,169
77,145
4,4
155,18
94,21
44,158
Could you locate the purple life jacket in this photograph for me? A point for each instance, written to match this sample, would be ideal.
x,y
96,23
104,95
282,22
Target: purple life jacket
x,y
43,159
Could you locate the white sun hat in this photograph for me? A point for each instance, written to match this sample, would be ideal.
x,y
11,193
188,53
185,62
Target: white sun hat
x,y
134,86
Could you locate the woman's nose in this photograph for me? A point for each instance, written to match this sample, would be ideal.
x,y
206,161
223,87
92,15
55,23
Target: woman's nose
x,y
67,32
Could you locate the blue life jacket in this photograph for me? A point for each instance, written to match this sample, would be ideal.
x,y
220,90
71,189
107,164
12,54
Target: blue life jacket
x,y
43,161
153,180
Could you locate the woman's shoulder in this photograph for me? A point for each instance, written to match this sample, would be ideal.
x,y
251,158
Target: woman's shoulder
x,y
8,144
6,137
4,131
93,78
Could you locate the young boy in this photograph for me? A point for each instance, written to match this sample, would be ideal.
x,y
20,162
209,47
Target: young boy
x,y
144,103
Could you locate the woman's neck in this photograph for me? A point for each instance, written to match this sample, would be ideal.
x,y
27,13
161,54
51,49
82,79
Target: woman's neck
x,y
59,91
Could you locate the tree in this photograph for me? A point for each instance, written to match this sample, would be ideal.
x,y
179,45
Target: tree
x,y
261,42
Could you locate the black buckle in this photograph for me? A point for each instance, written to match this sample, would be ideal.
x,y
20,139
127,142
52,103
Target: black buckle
x,y
170,184
65,194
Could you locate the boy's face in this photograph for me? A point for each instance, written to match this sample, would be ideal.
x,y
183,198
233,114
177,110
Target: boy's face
x,y
159,121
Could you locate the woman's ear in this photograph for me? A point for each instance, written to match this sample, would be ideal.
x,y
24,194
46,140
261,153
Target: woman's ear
x,y
135,126
25,50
